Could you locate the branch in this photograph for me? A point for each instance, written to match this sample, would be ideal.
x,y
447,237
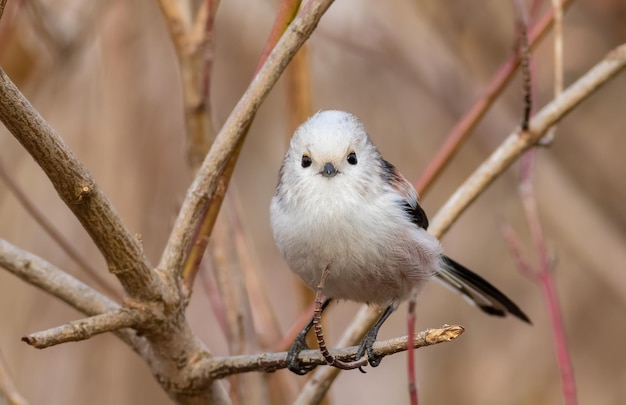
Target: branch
x,y
199,195
495,165
79,191
468,122
83,329
54,233
61,285
193,43
221,367
517,143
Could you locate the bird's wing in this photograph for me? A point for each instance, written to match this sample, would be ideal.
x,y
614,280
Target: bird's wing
x,y
473,287
406,190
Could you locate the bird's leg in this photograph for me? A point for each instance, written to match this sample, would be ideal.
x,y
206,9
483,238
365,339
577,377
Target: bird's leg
x,y
370,338
299,345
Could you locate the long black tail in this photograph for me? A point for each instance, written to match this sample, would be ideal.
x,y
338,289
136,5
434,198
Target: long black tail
x,y
478,290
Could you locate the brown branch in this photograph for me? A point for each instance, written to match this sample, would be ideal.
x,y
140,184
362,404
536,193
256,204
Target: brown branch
x,y
83,329
79,191
192,34
49,228
221,367
200,194
495,165
466,125
8,392
61,285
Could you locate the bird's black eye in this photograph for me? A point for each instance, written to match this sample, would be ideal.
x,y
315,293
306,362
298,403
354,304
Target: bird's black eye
x,y
306,161
352,158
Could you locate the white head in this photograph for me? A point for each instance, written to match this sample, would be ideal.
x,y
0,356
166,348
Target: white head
x,y
331,151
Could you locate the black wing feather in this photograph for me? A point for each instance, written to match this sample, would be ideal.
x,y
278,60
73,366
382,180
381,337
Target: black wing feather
x,y
478,290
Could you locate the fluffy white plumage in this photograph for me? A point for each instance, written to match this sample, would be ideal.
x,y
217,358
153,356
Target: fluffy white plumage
x,y
360,219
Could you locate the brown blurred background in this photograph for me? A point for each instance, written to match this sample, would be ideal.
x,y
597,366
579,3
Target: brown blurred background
x,y
105,75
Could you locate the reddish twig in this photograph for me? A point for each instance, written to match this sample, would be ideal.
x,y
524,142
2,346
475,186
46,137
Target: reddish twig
x,y
466,125
286,14
543,274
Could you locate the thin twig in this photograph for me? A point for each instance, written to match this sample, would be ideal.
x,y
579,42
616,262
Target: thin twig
x,y
57,236
558,62
83,329
515,248
545,277
495,165
524,55
8,391
468,122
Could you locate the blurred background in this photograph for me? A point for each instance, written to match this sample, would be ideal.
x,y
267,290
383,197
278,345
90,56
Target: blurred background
x,y
105,75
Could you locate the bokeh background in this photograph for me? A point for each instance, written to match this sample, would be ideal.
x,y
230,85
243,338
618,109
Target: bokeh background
x,y
104,74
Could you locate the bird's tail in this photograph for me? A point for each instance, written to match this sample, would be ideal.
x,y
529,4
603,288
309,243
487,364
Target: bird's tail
x,y
477,290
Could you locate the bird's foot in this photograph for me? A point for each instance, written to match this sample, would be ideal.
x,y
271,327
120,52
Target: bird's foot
x,y
293,362
366,347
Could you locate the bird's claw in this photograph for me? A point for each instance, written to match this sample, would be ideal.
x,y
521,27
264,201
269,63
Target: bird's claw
x,y
293,362
366,347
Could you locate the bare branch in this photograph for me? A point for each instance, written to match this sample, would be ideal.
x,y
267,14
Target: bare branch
x,y
79,191
221,367
193,42
57,236
83,329
502,158
56,282
206,182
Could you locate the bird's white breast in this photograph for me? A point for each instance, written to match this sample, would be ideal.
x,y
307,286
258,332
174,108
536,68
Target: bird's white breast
x,y
374,252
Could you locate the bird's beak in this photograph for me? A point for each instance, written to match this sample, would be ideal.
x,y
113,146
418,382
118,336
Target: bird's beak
x,y
329,170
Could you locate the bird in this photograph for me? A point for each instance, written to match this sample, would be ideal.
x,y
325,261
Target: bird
x,y
339,205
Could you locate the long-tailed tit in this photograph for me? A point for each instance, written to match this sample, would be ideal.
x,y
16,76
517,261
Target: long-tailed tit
x,y
339,204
